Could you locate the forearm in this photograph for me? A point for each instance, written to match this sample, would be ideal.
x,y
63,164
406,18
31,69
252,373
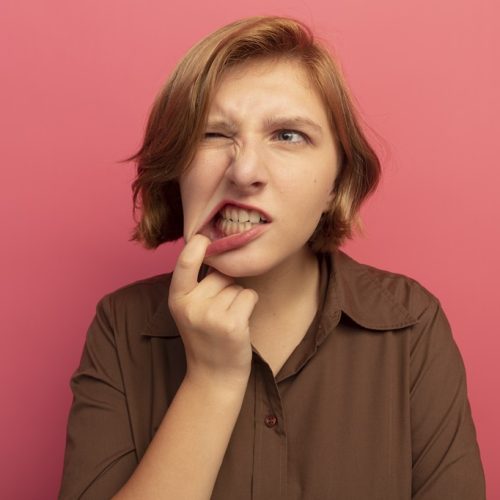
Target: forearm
x,y
184,458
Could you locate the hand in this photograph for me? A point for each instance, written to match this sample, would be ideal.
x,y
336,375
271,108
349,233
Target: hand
x,y
212,317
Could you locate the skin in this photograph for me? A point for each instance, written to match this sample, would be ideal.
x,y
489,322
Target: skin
x,y
255,151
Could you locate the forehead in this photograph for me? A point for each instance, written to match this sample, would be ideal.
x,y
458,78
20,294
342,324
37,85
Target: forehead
x,y
271,84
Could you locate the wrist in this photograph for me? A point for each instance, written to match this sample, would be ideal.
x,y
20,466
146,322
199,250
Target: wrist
x,y
219,385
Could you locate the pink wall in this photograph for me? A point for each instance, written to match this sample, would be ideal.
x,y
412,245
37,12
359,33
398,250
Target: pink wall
x,y
77,81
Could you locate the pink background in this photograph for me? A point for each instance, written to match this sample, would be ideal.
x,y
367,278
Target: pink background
x,y
77,81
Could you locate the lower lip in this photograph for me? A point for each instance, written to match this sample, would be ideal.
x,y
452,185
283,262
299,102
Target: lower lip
x,y
234,241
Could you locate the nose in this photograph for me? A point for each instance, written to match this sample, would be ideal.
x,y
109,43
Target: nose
x,y
247,169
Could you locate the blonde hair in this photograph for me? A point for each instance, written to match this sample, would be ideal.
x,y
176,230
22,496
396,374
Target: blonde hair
x,y
179,114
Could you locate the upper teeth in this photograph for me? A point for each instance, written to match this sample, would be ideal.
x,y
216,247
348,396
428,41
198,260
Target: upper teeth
x,y
241,215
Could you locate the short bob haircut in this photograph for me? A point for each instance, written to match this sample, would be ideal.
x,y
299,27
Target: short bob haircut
x,y
179,114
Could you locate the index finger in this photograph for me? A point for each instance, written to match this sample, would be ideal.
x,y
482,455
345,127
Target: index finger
x,y
185,275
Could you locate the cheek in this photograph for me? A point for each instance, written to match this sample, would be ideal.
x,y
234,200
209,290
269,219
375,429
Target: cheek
x,y
195,182
198,186
191,196
314,199
206,171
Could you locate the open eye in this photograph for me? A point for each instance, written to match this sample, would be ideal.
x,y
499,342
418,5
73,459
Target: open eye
x,y
292,136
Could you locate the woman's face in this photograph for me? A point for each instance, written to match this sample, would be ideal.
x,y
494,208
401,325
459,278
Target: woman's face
x,y
268,157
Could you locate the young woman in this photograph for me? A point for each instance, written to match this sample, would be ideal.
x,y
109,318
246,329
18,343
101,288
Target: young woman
x,y
269,365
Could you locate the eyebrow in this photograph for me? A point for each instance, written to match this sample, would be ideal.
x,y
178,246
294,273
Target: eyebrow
x,y
292,122
222,124
284,122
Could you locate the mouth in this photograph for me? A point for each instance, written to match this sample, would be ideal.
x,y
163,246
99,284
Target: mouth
x,y
232,225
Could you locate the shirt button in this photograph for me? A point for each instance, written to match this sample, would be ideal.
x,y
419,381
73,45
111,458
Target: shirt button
x,y
270,420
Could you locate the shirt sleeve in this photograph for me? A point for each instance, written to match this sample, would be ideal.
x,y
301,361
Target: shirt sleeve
x,y
100,454
445,455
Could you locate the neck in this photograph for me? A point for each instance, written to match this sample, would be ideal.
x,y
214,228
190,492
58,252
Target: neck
x,y
299,272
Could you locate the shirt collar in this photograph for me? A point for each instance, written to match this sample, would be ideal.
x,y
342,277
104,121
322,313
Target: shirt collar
x,y
362,293
357,290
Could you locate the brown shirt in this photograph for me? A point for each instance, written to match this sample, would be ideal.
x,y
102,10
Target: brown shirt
x,y
371,404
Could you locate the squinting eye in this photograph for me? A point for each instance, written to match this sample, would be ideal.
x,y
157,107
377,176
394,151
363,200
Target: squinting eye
x,y
213,135
291,136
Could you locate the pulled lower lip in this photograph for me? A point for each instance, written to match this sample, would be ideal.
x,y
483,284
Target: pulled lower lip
x,y
222,243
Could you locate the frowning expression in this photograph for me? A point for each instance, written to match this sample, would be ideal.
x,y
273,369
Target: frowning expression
x,y
264,171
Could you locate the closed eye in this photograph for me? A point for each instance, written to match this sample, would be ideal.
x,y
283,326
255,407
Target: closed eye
x,y
213,135
291,136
